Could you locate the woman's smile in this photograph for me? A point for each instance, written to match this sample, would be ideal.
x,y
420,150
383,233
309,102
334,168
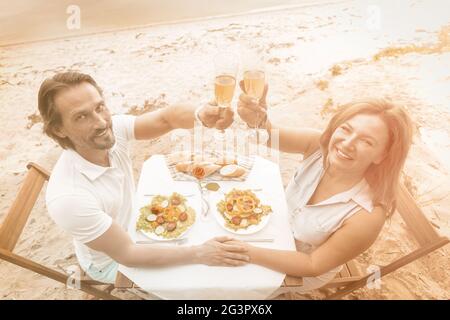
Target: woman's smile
x,y
342,155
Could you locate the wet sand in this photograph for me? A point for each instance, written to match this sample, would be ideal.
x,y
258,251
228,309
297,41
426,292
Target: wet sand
x,y
32,20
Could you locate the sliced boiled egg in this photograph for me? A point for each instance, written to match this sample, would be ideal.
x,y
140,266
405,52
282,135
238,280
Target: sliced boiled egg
x,y
244,223
159,230
165,204
257,210
228,169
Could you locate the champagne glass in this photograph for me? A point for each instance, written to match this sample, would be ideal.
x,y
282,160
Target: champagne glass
x,y
226,66
254,77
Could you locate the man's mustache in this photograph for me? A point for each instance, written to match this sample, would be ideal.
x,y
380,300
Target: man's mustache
x,y
99,131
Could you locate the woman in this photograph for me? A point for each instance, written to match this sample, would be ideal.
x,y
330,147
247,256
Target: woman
x,y
344,189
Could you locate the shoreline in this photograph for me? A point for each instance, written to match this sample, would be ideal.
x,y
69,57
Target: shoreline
x,y
313,3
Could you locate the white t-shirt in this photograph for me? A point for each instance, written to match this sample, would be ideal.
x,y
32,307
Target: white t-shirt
x,y
84,198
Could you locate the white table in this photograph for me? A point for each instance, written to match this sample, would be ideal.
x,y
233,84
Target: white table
x,y
205,282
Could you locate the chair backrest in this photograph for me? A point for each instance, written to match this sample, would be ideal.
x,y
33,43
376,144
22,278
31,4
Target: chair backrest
x,y
18,214
415,219
422,230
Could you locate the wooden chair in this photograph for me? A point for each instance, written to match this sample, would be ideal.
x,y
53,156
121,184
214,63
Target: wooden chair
x,y
14,224
351,279
123,283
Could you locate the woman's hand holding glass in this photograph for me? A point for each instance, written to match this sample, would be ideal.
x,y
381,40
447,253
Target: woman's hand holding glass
x,y
252,111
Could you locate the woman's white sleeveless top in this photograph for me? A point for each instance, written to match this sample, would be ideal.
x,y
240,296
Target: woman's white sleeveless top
x,y
313,224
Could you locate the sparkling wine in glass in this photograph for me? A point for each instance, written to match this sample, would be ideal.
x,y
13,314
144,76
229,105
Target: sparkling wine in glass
x,y
224,86
226,65
254,77
254,81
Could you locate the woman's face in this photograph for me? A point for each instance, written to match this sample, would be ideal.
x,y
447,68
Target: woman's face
x,y
357,143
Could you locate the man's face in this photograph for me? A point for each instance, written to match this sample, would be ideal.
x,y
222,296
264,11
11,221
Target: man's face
x,y
86,120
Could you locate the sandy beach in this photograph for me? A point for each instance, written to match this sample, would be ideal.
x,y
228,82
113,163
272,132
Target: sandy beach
x,y
319,56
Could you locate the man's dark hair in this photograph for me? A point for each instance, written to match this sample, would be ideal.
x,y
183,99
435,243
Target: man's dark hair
x,y
47,108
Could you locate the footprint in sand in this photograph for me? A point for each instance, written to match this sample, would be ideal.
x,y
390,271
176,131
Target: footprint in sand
x,y
290,59
33,119
77,64
400,289
3,82
275,61
35,247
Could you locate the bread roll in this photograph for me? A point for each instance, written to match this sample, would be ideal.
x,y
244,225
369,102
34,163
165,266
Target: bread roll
x,y
184,166
232,171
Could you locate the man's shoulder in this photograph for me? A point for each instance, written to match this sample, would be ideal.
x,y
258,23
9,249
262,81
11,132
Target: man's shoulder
x,y
64,177
123,126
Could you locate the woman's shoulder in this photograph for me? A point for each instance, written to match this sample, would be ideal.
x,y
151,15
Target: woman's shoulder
x,y
310,163
368,220
314,153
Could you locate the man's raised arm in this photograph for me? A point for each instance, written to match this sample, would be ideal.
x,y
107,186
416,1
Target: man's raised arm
x,y
180,116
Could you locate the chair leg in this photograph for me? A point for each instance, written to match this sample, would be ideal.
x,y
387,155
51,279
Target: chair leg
x,y
340,293
110,288
290,296
139,293
52,274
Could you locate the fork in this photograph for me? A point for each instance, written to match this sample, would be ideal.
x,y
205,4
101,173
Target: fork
x,y
206,204
251,189
178,241
184,195
257,240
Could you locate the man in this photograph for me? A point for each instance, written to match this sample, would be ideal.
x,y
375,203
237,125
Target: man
x,y
91,187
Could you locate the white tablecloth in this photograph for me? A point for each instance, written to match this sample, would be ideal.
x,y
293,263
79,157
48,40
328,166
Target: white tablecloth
x,y
205,282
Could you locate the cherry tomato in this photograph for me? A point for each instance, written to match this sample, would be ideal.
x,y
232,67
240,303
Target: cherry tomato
x,y
171,226
183,216
155,210
198,172
253,220
236,220
160,219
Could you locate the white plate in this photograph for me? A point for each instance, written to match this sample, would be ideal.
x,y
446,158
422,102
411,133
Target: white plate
x,y
250,230
154,236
